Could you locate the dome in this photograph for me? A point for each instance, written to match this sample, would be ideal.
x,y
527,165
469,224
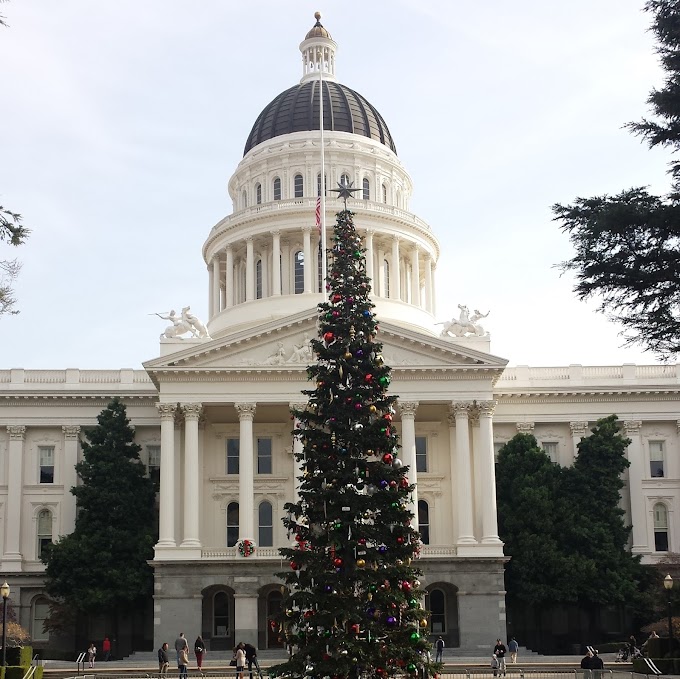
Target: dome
x,y
297,110
317,30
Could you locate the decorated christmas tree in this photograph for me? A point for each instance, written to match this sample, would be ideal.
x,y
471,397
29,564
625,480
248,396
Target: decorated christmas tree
x,y
352,603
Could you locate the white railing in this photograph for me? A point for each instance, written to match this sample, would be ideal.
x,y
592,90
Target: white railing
x,y
73,377
427,551
518,376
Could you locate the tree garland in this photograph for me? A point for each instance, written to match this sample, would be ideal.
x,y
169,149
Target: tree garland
x,y
245,548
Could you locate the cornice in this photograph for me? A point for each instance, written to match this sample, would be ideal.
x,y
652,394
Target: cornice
x,y
593,395
103,398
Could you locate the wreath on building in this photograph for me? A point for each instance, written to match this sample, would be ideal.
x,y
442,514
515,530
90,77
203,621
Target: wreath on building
x,y
245,548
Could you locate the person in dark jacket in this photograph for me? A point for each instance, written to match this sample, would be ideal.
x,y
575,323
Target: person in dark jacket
x,y
199,652
587,661
251,659
163,659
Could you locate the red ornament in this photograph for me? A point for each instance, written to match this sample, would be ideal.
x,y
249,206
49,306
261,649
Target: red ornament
x,y
336,298
400,540
294,566
393,484
368,377
388,458
337,562
328,336
403,483
388,417
406,586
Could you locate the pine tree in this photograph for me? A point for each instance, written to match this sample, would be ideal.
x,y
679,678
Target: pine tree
x,y
352,603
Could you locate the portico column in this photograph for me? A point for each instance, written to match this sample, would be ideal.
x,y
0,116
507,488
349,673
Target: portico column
x,y
382,283
15,466
246,503
285,267
487,467
463,482
369,259
265,271
250,270
428,284
229,278
166,515
192,491
638,518
68,512
395,283
307,252
211,292
578,431
215,286
415,277
276,263
297,450
408,450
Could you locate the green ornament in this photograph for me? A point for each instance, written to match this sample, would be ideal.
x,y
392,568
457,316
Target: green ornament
x,y
413,603
411,668
415,636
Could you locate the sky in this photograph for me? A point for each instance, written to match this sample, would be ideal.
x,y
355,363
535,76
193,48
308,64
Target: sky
x,y
122,123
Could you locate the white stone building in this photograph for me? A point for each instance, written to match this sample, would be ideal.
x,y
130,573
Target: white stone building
x,y
212,413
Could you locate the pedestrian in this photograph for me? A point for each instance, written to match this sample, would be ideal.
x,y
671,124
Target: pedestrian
x,y
181,643
91,654
251,659
163,659
513,647
499,651
106,649
439,649
597,665
240,660
494,665
587,661
199,652
183,662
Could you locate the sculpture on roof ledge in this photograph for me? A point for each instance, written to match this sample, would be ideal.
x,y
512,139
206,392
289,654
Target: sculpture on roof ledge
x,y
181,325
465,325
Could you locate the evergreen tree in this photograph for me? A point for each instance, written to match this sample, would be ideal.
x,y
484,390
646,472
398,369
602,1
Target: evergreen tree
x,y
353,598
102,566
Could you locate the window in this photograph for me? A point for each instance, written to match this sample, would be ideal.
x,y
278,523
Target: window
x,y
656,459
41,609
438,611
232,524
318,184
550,448
299,272
233,449
421,453
367,189
266,530
221,615
277,188
386,276
424,521
384,191
258,279
258,193
46,454
344,179
154,465
299,186
660,528
44,530
264,456
245,199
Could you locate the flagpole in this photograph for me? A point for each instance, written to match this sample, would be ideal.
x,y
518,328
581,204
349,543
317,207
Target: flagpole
x,y
324,264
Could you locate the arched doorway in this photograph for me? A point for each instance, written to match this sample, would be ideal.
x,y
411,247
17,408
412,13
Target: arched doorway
x,y
441,601
217,617
269,606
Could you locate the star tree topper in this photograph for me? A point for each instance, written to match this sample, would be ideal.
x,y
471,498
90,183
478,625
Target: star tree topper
x,y
345,191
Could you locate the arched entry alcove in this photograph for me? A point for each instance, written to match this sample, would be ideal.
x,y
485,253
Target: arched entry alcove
x,y
441,600
217,617
268,606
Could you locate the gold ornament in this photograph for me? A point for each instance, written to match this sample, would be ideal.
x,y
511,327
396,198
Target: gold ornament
x,y
361,563
423,623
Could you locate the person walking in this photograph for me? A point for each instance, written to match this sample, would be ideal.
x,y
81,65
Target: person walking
x,y
499,650
240,655
163,659
91,654
199,652
439,649
251,659
181,643
183,662
106,649
513,647
597,665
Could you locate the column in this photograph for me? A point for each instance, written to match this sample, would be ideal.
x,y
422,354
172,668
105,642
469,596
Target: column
x,y
458,415
297,450
246,502
229,278
307,252
638,515
15,466
382,283
487,467
276,263
264,254
250,270
245,615
215,286
395,274
407,411
68,507
415,277
211,292
578,431
428,283
369,259
166,515
192,491
285,268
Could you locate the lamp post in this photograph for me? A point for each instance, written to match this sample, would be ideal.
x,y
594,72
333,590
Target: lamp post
x,y
4,592
668,585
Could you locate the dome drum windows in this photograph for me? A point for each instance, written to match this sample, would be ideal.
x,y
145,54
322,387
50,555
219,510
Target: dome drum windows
x,y
258,193
366,186
299,186
277,188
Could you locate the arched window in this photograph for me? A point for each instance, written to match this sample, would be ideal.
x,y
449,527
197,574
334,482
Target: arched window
x,y
367,189
245,199
232,524
44,531
221,615
41,609
258,279
318,184
344,179
274,600
386,276
266,532
424,522
277,188
437,611
384,191
660,527
299,272
258,193
299,186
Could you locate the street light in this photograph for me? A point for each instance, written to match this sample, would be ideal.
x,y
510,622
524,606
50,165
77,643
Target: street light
x,y
4,592
668,584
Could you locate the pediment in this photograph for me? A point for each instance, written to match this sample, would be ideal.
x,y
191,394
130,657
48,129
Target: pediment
x,y
283,346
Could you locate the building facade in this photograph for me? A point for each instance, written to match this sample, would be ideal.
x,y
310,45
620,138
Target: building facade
x,y
212,412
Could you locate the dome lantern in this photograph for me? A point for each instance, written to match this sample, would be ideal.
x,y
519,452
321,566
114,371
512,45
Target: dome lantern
x,y
318,52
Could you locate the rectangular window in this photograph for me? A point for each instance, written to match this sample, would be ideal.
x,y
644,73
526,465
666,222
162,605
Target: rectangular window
x,y
656,459
233,448
41,610
154,465
551,450
264,456
46,464
421,453
661,540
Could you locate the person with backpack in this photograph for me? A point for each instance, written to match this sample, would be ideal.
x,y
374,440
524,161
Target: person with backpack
x,y
439,649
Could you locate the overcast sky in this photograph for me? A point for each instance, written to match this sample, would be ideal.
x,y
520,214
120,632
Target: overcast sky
x,y
122,123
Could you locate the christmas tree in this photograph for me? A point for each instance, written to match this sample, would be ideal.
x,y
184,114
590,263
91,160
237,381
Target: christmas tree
x,y
352,604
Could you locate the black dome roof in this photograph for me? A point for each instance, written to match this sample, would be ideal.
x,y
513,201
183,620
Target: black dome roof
x,y
297,110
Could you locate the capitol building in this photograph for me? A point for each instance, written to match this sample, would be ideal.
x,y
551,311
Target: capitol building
x,y
212,411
